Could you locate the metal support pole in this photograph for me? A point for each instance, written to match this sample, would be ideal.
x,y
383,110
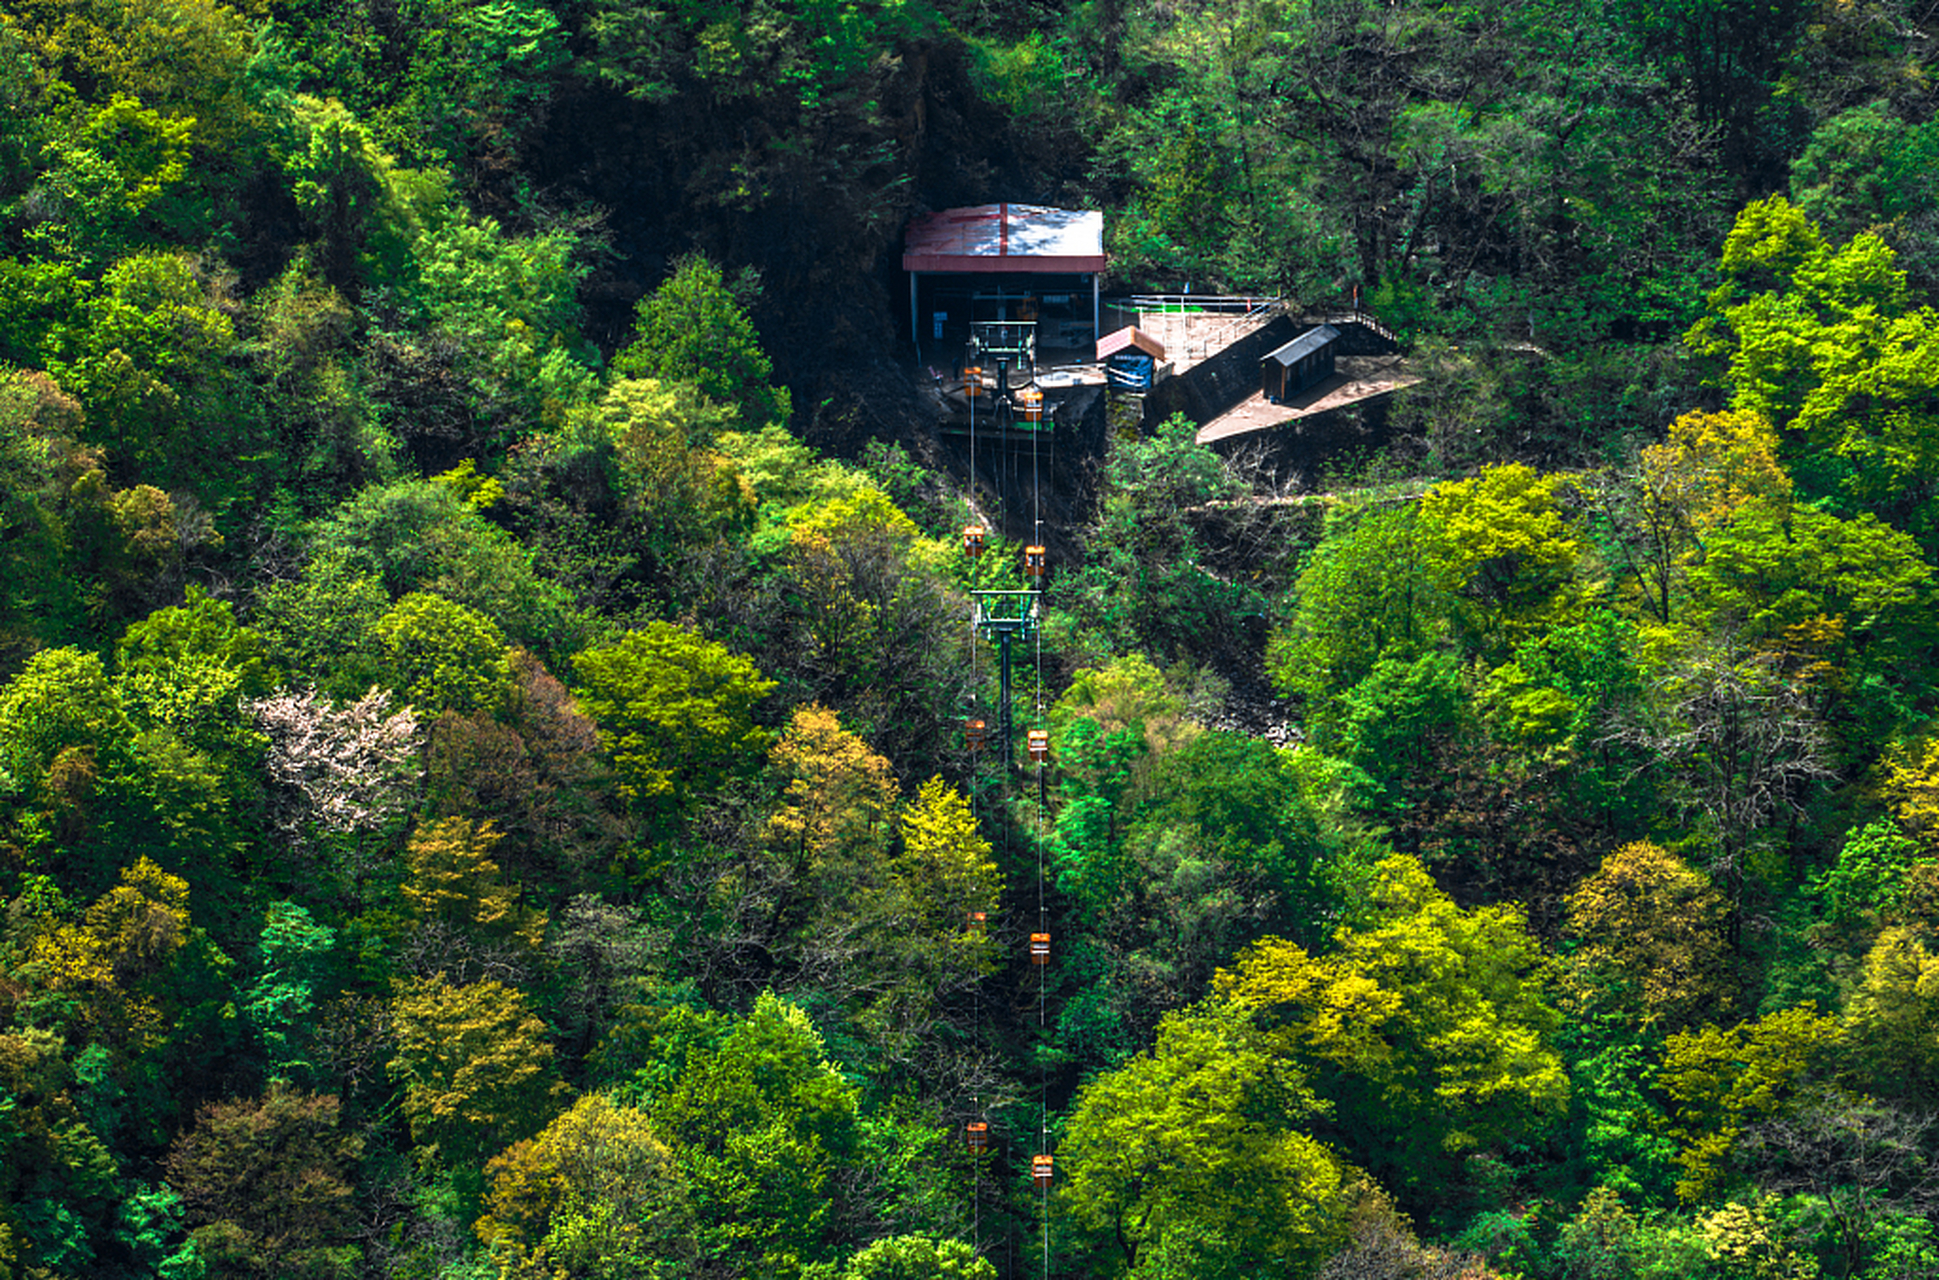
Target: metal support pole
x,y
1003,716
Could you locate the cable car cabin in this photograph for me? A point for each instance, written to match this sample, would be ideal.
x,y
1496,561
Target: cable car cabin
x,y
1304,362
1039,742
976,1135
1040,1170
977,921
1030,407
973,537
976,733
973,381
1039,948
1033,561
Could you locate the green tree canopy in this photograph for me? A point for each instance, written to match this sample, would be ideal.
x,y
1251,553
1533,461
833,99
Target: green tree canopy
x,y
915,1257
760,1122
674,709
1198,1142
694,328
1825,341
1428,1024
1368,593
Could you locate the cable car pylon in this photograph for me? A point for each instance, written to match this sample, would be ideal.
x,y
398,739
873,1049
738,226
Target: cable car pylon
x,y
1004,617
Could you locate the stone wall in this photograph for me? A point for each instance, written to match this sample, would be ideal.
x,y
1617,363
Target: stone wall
x,y
1296,453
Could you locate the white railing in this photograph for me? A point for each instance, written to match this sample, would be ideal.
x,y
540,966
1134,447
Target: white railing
x,y
1248,312
1202,345
1188,303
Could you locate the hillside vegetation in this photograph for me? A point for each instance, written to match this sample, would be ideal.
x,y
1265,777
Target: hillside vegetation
x,y
484,651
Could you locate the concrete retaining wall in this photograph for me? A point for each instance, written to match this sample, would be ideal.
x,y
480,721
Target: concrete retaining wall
x,y
1209,388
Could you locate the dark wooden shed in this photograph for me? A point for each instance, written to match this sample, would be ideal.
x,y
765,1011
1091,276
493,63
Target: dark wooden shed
x,y
1304,362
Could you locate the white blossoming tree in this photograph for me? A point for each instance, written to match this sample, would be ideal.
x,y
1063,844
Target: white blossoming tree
x,y
341,777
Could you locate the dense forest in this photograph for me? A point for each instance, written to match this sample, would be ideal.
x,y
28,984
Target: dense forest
x,y
484,650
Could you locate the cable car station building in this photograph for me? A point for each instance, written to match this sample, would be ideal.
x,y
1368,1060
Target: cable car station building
x,y
1021,276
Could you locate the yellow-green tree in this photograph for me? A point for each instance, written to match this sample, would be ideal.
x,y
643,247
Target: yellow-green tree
x,y
1708,468
454,880
1833,599
1127,692
840,794
913,1257
1911,786
1893,1016
1717,1081
877,919
61,701
146,353
1195,1148
662,433
186,60
1504,549
945,860
1367,594
915,918
474,1065
113,960
1747,1242
442,656
595,1194
1427,1024
860,571
1710,465
674,710
1655,926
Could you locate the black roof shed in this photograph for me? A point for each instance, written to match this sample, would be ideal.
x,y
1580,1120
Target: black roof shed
x,y
1304,362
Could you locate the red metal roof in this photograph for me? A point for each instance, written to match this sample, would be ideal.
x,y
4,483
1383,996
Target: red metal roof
x,y
1006,237
1126,338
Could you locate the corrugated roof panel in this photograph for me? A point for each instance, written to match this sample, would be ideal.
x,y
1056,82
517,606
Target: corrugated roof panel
x,y
1006,237
1304,345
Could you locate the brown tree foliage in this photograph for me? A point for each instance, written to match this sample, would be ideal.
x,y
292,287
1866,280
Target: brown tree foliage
x,y
267,1181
